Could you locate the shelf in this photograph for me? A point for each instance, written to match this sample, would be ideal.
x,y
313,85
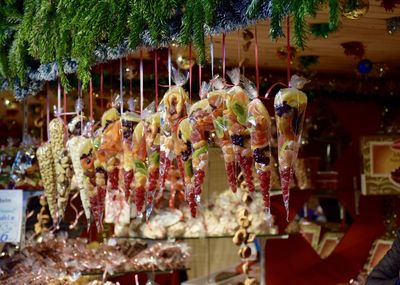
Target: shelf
x,y
266,236
25,190
116,274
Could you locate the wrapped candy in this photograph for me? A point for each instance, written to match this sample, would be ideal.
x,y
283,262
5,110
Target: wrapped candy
x,y
173,109
202,125
76,125
47,172
109,156
141,173
75,145
24,170
128,123
183,149
216,99
87,159
7,155
62,162
101,177
110,146
290,106
175,179
152,133
259,124
236,116
64,173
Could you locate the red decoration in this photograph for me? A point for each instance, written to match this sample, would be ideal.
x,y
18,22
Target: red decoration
x,y
283,51
355,49
389,5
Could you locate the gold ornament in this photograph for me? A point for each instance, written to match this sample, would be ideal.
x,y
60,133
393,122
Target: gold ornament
x,y
354,9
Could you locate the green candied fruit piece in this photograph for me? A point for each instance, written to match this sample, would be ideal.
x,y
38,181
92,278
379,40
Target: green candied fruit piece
x,y
200,151
220,125
155,158
140,167
240,112
96,143
188,168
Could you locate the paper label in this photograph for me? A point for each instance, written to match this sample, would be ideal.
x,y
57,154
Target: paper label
x,y
11,213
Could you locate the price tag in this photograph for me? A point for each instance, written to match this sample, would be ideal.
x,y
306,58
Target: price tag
x,y
11,213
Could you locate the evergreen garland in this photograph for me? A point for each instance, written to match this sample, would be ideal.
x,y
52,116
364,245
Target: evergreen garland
x,y
299,10
321,30
41,40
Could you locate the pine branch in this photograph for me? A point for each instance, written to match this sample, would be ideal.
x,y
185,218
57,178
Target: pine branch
x,y
16,58
334,14
253,8
198,29
277,15
299,10
187,23
208,7
135,23
119,11
4,71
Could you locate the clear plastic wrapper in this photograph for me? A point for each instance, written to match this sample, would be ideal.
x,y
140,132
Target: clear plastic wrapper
x,y
183,150
87,159
163,256
62,162
151,120
236,116
64,174
175,185
128,122
216,100
201,121
109,156
77,125
56,258
259,124
173,108
47,172
166,147
290,106
140,167
117,209
7,157
24,170
74,145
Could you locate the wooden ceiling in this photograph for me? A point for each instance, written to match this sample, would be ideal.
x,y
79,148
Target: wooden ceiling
x,y
380,46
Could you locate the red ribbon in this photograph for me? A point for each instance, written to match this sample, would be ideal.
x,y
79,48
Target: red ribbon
x,y
47,109
78,213
58,98
238,47
79,89
257,60
65,116
91,103
212,56
111,85
288,49
130,87
223,55
101,87
169,67
141,81
121,89
80,96
272,87
190,72
199,78
156,75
